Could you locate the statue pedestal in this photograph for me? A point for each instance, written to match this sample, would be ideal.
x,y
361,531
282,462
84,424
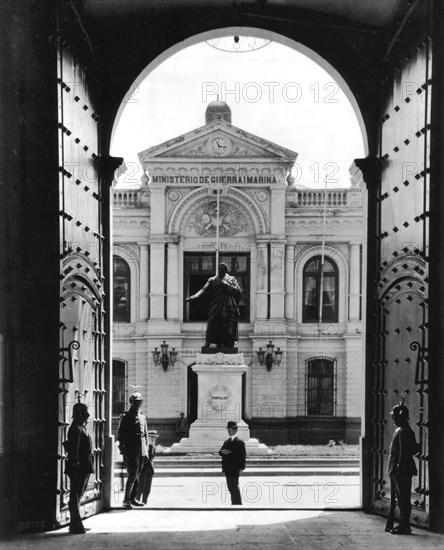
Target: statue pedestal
x,y
219,380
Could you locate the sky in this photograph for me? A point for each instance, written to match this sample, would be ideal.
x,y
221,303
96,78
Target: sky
x,y
273,91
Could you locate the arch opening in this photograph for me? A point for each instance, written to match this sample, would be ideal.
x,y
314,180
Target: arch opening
x,y
165,291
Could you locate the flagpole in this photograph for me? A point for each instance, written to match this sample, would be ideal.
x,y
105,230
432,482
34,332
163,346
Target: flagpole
x,y
217,231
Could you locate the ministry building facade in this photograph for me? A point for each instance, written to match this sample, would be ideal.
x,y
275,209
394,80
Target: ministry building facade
x,y
283,242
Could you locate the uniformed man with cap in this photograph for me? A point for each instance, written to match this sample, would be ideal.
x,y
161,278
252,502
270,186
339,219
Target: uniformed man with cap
x,y
143,488
233,455
182,427
132,435
401,466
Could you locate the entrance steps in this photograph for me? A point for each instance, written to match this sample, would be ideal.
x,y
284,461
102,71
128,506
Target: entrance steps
x,y
210,465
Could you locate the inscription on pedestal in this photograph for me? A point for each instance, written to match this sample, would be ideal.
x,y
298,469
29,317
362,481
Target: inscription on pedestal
x,y
219,398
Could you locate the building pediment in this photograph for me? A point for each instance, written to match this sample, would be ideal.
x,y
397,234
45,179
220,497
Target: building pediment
x,y
217,140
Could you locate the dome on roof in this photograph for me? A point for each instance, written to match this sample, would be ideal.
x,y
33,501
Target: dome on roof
x,y
217,110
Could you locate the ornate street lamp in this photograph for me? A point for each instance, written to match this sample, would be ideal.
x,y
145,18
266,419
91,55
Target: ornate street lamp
x,y
270,356
164,357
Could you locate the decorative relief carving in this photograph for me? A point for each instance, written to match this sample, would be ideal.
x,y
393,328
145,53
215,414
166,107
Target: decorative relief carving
x,y
204,220
173,195
178,218
220,359
197,151
241,151
336,224
261,196
219,397
133,224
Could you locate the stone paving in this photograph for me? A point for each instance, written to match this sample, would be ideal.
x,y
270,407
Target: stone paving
x,y
233,529
192,513
278,492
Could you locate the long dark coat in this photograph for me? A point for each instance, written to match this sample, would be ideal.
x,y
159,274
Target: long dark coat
x,y
79,450
234,462
223,312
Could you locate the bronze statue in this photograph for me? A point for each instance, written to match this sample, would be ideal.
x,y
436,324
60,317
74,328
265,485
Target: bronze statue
x,y
224,294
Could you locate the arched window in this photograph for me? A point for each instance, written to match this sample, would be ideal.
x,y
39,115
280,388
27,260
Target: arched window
x,y
314,277
121,291
320,387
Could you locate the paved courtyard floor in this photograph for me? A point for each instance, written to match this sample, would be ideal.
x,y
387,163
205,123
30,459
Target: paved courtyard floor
x,y
258,491
280,512
229,529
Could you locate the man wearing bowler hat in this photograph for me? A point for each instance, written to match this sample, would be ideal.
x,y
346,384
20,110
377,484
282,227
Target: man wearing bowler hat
x,y
233,455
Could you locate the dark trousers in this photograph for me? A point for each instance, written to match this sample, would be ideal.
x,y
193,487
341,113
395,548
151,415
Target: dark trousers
x,y
403,489
233,487
134,465
78,485
143,485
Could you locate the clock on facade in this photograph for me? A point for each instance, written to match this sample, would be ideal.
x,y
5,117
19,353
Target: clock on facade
x,y
219,146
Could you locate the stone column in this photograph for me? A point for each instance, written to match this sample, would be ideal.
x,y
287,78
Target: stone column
x,y
289,282
353,314
173,281
157,276
253,281
262,280
143,282
277,280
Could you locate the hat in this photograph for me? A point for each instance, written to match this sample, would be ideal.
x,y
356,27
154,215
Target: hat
x,y
153,432
78,409
136,396
401,412
231,424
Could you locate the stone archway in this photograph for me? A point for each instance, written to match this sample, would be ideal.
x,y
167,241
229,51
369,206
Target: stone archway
x,y
180,213
250,31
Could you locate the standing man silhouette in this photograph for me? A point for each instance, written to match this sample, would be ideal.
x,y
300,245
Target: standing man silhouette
x,y
132,435
402,467
233,455
182,427
79,464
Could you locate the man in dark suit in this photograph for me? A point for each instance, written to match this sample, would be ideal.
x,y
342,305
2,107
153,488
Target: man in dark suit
x,y
132,435
233,455
402,467
79,464
146,475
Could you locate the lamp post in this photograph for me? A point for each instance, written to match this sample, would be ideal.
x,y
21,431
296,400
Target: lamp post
x,y
270,356
164,357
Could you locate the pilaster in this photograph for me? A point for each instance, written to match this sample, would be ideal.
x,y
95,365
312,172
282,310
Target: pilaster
x,y
143,282
157,278
354,293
